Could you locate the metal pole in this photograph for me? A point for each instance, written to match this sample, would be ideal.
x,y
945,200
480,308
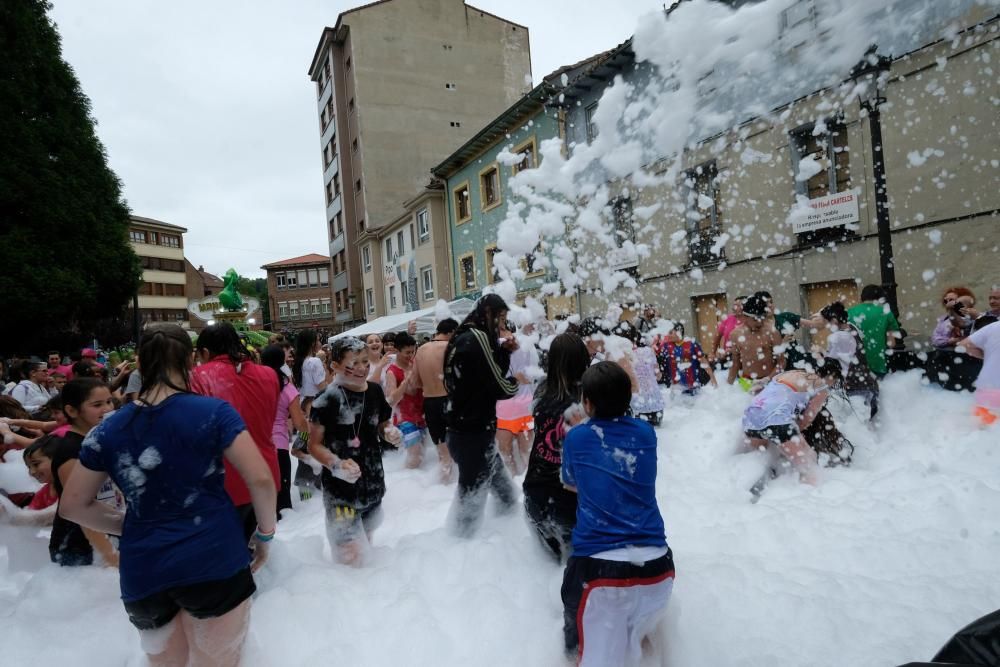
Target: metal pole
x,y
886,260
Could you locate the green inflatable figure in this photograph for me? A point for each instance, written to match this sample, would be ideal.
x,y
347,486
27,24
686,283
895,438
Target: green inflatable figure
x,y
229,298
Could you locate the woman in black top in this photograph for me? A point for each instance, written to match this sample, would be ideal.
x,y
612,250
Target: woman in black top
x,y
476,364
550,507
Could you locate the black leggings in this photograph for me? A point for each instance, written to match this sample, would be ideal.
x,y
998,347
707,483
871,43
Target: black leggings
x,y
552,513
480,470
285,492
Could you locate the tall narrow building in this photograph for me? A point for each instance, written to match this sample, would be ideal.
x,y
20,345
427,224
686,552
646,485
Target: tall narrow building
x,y
401,84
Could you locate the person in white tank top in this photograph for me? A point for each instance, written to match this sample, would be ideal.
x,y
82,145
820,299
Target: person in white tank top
x,y
786,406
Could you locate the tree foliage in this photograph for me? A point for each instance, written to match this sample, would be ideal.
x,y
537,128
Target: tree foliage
x,y
65,260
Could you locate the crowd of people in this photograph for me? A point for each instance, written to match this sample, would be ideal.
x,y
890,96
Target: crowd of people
x,y
176,468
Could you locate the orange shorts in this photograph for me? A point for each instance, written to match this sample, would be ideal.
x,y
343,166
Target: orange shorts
x,y
518,425
986,416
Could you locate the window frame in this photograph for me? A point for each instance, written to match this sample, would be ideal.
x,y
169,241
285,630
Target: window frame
x,y
531,143
392,296
483,205
366,257
423,226
590,125
464,185
137,235
466,287
489,252
801,135
370,299
426,271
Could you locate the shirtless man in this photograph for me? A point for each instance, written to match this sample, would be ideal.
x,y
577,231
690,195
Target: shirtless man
x,y
757,347
428,375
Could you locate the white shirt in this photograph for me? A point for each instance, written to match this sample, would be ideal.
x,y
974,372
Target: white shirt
x,y
840,345
988,340
313,375
30,395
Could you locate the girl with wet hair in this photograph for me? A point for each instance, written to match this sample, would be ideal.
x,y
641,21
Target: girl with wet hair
x,y
550,507
185,571
308,369
476,366
346,423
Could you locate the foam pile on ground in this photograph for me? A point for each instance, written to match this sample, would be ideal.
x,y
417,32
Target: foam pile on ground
x,y
877,566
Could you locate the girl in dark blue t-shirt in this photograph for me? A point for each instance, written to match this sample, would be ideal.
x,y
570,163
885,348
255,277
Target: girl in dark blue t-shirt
x,y
185,570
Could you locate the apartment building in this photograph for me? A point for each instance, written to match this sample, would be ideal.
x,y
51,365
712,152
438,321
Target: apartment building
x,y
300,294
162,292
399,85
731,204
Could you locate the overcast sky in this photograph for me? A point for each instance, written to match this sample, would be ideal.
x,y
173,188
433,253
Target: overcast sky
x,y
209,117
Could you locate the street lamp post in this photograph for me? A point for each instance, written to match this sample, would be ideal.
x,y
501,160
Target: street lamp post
x,y
870,76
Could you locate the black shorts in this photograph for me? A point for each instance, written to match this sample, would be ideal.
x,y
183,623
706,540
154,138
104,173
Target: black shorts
x,y
776,434
207,599
434,415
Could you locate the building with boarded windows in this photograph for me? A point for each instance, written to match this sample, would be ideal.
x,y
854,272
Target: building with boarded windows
x,y
738,187
162,292
399,85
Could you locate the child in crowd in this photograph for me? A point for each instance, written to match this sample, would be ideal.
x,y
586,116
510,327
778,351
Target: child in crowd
x,y
289,410
85,401
38,508
550,507
786,407
515,424
185,569
619,579
405,399
346,422
682,361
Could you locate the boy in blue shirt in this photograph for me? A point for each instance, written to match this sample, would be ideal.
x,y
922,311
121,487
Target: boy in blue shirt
x,y
619,578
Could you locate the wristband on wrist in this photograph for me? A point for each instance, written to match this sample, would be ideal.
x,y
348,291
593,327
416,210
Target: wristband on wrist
x,y
262,536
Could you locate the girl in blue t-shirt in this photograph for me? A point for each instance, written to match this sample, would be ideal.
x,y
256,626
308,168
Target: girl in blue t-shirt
x,y
185,570
617,582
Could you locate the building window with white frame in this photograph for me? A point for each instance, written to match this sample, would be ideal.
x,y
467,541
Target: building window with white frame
x,y
293,309
290,280
392,296
279,280
366,258
282,309
388,251
400,245
404,289
370,299
324,276
325,303
423,226
427,282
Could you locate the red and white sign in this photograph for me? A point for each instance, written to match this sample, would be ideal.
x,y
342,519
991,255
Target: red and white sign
x,y
830,211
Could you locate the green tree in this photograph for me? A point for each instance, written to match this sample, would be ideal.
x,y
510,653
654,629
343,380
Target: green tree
x,y
65,261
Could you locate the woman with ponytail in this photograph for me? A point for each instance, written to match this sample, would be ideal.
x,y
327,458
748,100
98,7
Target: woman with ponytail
x,y
185,571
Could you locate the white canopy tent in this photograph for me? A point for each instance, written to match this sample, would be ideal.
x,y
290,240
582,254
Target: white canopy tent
x,y
427,319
